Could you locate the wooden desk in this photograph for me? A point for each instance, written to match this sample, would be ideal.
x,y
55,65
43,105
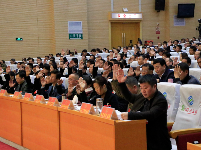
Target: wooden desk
x,y
191,146
10,119
88,132
40,126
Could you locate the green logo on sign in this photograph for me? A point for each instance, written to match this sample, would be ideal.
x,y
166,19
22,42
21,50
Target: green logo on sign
x,y
75,36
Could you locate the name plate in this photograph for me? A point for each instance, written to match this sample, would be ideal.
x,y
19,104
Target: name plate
x,y
40,99
87,108
3,93
67,104
53,101
28,97
17,95
108,113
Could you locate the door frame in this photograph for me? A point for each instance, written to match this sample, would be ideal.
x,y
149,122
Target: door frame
x,y
122,21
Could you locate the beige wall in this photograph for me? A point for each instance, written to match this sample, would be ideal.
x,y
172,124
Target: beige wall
x,y
43,24
31,20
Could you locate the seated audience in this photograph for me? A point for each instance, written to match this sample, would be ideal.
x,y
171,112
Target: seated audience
x,y
56,89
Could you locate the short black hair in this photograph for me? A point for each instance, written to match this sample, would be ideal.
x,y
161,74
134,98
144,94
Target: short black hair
x,y
167,54
119,64
58,74
46,66
148,78
180,47
183,66
90,61
84,50
88,79
30,65
75,60
22,74
93,50
159,60
188,60
149,66
131,81
193,48
39,58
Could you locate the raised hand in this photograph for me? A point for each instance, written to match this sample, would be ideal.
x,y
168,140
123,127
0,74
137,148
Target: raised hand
x,y
70,90
130,72
175,61
97,63
71,64
67,52
82,83
106,66
43,82
11,84
120,76
81,64
115,69
63,52
177,71
75,51
137,71
105,73
78,89
45,61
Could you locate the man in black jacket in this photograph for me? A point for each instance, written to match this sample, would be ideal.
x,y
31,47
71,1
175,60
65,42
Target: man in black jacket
x,y
162,71
150,105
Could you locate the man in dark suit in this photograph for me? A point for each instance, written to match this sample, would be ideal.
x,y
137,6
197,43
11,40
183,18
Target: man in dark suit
x,y
151,105
162,71
23,85
56,89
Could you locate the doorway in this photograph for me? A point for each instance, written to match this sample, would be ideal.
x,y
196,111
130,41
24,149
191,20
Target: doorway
x,y
123,32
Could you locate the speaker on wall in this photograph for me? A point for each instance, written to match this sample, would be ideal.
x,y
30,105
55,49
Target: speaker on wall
x,y
159,5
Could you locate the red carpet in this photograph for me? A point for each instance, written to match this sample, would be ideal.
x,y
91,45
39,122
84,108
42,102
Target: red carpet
x,y
6,147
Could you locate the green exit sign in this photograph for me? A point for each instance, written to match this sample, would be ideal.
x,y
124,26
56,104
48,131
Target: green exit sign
x,y
75,36
19,39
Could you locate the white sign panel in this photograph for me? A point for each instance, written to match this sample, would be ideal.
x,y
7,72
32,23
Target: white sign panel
x,y
75,27
179,21
127,15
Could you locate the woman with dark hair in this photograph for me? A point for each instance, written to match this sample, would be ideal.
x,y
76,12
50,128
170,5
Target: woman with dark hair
x,y
103,89
10,82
